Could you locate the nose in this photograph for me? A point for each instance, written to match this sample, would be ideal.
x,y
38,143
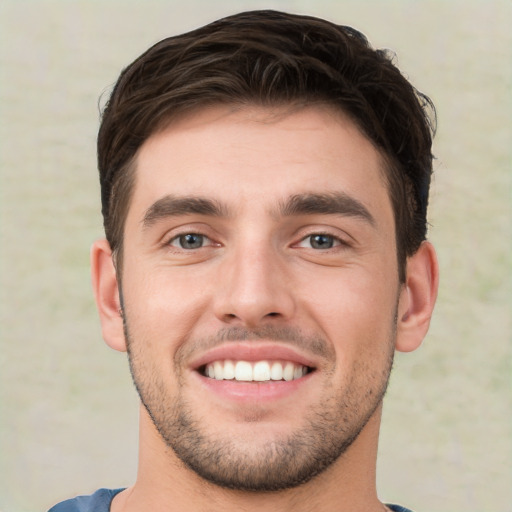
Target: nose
x,y
254,288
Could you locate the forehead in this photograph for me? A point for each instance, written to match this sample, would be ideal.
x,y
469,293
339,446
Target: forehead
x,y
253,155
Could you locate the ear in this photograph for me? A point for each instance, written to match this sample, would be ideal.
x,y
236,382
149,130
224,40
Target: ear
x,y
417,298
106,292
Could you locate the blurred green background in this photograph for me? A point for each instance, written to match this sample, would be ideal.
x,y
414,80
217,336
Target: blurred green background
x,y
68,411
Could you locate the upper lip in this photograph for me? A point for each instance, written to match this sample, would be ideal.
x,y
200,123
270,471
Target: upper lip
x,y
252,351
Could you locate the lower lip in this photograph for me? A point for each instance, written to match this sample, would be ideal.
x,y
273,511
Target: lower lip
x,y
253,391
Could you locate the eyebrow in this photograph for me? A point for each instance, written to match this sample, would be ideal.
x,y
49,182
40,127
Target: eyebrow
x,y
336,203
173,206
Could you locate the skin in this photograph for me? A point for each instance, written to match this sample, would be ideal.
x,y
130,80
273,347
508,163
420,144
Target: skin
x,y
258,283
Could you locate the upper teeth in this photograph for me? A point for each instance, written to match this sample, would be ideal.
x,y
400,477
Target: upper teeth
x,y
258,371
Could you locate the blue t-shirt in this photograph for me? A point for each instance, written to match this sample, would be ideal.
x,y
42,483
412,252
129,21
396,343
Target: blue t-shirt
x,y
100,502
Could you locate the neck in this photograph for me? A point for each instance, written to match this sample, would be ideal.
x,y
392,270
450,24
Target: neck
x,y
165,484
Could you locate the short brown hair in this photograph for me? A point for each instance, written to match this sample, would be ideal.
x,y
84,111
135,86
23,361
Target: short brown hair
x,y
272,58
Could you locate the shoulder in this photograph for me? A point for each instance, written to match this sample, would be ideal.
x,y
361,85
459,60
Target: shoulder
x,y
397,508
97,502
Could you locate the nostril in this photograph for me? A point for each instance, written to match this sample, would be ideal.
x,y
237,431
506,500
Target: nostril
x,y
273,314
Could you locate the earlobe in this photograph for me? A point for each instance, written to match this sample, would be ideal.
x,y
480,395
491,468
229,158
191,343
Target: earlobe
x,y
106,293
417,298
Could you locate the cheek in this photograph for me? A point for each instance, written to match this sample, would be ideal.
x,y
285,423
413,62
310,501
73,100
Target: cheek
x,y
161,309
353,308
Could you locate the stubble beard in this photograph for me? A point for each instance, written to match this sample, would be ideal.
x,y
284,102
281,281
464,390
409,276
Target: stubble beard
x,y
328,430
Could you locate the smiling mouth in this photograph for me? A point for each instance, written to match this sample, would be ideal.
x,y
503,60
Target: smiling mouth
x,y
254,371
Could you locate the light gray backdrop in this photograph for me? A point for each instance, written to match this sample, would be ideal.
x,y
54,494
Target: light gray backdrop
x,y
68,411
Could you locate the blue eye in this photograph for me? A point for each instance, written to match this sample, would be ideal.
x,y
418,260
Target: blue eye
x,y
321,241
189,241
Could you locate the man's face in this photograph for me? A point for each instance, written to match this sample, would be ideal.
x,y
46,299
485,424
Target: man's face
x,y
260,291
